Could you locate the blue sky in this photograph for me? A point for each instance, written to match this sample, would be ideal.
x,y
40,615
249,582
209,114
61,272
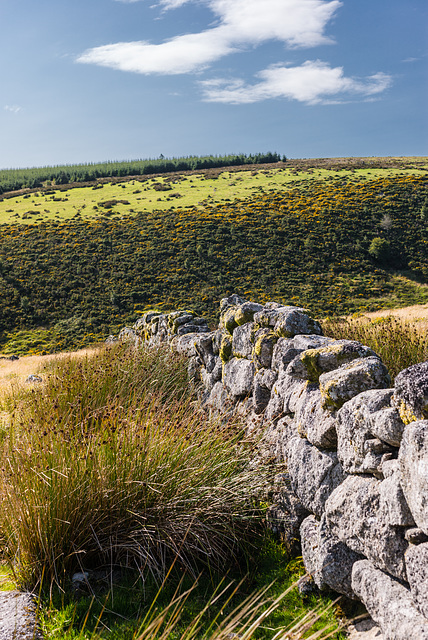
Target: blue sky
x,y
94,80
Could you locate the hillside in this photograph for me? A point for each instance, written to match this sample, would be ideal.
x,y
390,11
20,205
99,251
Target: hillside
x,y
336,236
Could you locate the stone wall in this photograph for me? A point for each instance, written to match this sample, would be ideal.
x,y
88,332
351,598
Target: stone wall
x,y
355,449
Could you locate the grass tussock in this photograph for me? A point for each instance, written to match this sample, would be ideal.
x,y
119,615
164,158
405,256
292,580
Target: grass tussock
x,y
108,463
398,342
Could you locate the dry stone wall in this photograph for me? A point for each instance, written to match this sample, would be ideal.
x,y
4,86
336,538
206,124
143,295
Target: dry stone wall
x,y
355,449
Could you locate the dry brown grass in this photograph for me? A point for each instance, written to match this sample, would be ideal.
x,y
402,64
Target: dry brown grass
x,y
15,372
417,314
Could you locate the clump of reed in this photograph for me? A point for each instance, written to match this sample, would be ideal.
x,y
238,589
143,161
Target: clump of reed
x,y
109,462
400,343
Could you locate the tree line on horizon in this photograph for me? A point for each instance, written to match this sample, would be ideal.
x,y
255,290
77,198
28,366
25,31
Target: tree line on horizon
x,y
36,177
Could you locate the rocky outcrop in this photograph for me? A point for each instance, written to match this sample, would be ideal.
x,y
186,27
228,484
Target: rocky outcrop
x,y
353,448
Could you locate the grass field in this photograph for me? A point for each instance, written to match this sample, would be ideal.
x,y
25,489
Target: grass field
x,y
145,193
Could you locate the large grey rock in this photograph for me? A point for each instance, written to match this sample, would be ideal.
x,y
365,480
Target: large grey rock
x,y
218,400
284,396
411,393
294,322
362,374
287,321
245,312
263,383
310,364
314,474
264,343
413,459
417,573
241,342
286,514
238,377
389,603
326,558
18,619
192,327
271,312
233,300
210,377
313,421
393,504
185,344
358,448
286,349
355,515
275,438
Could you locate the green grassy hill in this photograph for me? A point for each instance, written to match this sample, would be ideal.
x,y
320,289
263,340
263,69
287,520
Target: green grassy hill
x,y
336,236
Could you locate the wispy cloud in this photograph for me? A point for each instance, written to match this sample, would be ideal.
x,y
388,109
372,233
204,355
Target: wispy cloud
x,y
313,82
241,24
297,23
13,108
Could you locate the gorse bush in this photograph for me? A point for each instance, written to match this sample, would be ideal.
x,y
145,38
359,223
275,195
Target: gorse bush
x,y
107,464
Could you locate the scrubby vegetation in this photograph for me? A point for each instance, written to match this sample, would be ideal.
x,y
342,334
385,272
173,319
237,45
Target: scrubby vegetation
x,y
335,246
109,467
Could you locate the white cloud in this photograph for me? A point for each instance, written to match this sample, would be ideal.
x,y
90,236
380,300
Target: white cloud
x,y
13,108
313,82
297,23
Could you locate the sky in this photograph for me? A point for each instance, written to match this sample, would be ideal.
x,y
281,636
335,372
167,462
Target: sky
x,y
96,80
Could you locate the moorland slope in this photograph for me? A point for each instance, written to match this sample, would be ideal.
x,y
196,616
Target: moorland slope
x,y
336,236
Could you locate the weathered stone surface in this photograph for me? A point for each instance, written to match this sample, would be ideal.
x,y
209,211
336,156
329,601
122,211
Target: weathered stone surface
x,y
413,459
241,342
233,300
284,396
327,559
389,603
210,378
295,321
192,327
358,449
185,345
238,376
411,393
217,337
18,620
127,334
203,343
246,311
415,536
275,438
313,422
263,349
225,351
218,399
362,374
355,515
286,349
392,503
269,315
314,474
194,367
286,513
310,364
263,383
417,573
